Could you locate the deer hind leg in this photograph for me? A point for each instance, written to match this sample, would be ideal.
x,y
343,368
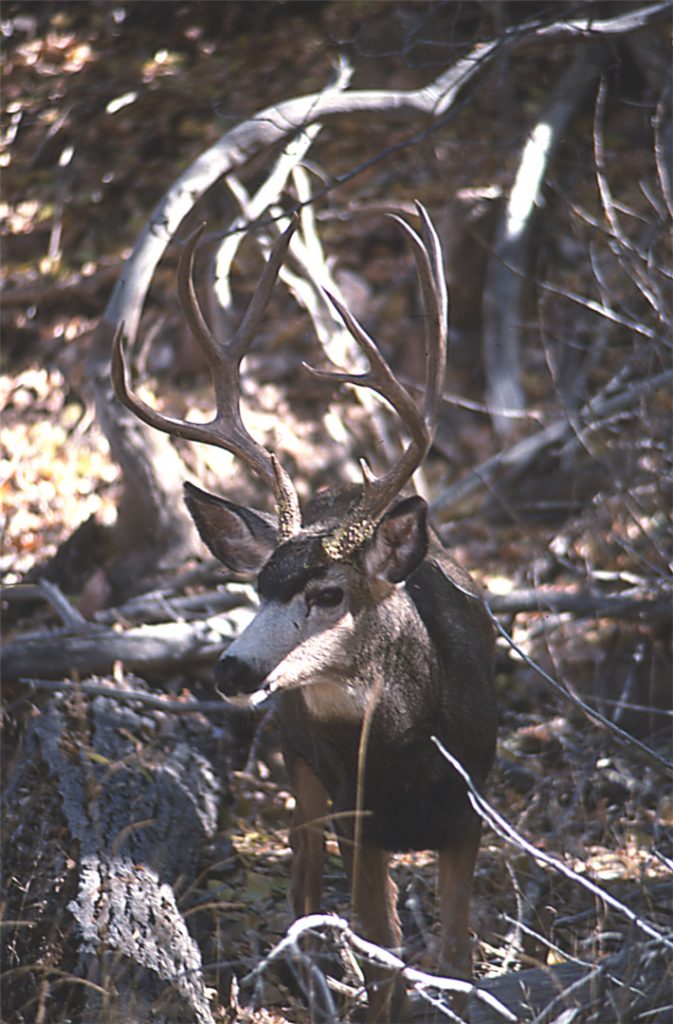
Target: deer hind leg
x,y
307,839
374,907
456,867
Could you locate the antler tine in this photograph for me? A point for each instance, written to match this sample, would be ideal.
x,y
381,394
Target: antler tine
x,y
226,429
121,380
189,302
380,377
429,263
379,492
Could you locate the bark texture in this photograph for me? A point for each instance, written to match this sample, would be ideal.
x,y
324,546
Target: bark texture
x,y
106,810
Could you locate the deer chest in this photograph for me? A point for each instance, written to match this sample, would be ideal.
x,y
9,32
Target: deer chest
x,y
412,798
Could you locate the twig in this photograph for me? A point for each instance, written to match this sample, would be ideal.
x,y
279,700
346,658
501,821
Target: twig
x,y
634,260
624,737
558,1000
604,190
654,891
152,701
503,828
151,607
268,721
514,943
70,616
630,682
603,310
642,708
376,954
543,940
662,149
523,453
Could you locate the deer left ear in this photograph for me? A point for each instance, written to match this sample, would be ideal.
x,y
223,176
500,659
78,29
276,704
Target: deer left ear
x,y
400,541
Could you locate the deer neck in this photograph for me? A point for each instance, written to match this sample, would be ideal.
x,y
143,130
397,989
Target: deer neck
x,y
390,644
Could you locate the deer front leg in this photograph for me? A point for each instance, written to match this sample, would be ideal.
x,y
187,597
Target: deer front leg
x,y
374,908
456,867
307,839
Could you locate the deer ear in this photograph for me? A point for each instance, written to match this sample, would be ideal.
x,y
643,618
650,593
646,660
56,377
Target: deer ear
x,y
241,538
400,541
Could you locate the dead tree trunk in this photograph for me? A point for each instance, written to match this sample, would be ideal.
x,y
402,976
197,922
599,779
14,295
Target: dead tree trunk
x,y
153,531
506,273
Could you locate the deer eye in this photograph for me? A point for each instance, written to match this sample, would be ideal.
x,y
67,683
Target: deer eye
x,y
325,597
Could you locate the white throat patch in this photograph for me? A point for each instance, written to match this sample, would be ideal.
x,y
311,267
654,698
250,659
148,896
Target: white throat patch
x,y
335,698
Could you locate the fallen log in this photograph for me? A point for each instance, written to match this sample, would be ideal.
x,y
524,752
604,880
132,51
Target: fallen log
x,y
637,602
151,651
632,985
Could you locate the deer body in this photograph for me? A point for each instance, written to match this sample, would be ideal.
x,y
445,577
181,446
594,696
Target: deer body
x,y
412,799
372,638
395,641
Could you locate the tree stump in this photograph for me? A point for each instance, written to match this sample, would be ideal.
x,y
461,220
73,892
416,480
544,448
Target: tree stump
x,y
107,810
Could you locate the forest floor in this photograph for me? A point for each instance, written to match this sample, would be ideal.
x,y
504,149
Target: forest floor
x,y
103,106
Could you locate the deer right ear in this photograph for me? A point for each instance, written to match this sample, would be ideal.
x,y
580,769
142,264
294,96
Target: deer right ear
x,y
242,539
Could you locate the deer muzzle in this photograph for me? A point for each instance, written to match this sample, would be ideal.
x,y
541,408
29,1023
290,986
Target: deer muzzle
x,y
239,682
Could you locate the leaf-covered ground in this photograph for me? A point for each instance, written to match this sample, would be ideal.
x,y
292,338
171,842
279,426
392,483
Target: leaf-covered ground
x,y
103,106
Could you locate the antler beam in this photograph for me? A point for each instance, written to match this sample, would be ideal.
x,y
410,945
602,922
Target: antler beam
x,y
379,492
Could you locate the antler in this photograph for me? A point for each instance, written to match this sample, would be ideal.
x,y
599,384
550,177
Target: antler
x,y
226,429
379,492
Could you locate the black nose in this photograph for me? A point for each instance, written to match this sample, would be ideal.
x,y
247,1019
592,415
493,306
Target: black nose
x,y
234,676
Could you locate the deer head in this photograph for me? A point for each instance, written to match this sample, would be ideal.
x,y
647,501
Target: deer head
x,y
316,574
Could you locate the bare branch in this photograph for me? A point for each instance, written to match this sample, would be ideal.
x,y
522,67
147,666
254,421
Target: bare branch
x,y
523,453
503,828
156,650
625,738
252,207
71,617
638,602
318,923
267,128
128,696
274,123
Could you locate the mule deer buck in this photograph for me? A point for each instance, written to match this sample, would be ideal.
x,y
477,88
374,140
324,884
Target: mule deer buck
x,y
374,639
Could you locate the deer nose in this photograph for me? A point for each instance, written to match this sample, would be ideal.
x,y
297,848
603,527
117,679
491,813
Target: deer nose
x,y
234,676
